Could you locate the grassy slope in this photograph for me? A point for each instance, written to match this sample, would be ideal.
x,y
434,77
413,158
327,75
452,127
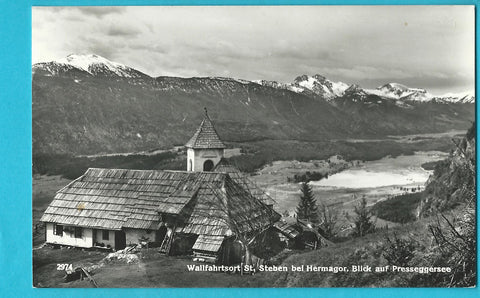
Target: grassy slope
x,y
365,250
399,208
152,271
43,191
155,270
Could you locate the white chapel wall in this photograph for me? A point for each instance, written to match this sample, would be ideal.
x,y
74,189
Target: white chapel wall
x,y
199,156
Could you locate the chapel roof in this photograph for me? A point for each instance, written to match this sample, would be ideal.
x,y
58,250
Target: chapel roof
x,y
118,198
206,137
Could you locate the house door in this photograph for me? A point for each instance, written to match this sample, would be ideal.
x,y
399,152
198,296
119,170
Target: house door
x,y
120,240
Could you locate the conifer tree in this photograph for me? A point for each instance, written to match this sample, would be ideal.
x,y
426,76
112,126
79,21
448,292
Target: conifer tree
x,y
363,220
307,207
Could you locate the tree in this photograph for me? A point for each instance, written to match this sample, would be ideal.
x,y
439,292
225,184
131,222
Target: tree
x,y
363,220
307,207
328,222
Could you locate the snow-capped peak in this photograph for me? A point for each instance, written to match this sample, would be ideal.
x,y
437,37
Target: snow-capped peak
x,y
74,65
95,64
317,84
320,85
399,91
396,90
463,97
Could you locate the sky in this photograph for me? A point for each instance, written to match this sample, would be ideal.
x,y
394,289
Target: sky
x,y
429,47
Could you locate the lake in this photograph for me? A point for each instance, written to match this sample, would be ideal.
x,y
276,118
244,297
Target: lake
x,y
375,180
388,171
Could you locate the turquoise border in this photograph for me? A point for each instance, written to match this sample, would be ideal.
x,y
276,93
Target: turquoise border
x,y
15,154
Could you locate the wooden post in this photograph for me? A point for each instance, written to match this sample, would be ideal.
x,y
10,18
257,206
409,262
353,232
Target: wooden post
x,y
89,277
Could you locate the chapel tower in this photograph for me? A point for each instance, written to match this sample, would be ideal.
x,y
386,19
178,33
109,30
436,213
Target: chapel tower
x,y
204,149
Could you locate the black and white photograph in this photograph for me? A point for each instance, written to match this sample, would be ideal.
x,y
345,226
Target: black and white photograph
x,y
253,146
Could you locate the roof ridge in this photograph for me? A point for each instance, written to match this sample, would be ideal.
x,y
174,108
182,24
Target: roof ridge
x,y
153,170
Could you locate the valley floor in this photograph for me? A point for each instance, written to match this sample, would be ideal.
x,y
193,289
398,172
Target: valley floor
x,y
347,183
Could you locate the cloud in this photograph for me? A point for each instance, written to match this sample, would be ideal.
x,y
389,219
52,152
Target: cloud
x,y
368,45
100,11
120,30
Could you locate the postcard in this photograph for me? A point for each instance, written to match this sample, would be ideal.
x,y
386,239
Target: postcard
x,y
253,146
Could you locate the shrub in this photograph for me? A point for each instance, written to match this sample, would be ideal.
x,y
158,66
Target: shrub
x,y
398,251
328,222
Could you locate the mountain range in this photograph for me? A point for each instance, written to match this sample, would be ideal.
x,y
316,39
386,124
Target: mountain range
x,y
329,90
85,104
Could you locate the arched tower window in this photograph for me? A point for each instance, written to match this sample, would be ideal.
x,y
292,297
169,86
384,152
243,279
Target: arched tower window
x,y
208,165
190,166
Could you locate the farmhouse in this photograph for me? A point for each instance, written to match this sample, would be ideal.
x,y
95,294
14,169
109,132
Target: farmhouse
x,y
202,210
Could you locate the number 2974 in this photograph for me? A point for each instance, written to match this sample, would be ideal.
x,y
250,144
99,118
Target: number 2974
x,y
62,267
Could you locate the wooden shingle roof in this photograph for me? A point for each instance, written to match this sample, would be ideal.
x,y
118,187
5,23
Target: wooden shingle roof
x,y
205,137
208,243
116,198
226,208
224,167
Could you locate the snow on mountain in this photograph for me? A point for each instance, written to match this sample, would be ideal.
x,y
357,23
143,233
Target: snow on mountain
x,y
329,90
356,92
321,86
399,91
55,69
464,97
402,93
92,64
278,85
241,81
317,84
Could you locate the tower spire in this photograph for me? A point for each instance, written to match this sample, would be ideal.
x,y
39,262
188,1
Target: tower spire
x,y
205,149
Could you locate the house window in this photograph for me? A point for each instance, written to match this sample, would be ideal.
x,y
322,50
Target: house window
x,y
105,235
78,232
57,230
